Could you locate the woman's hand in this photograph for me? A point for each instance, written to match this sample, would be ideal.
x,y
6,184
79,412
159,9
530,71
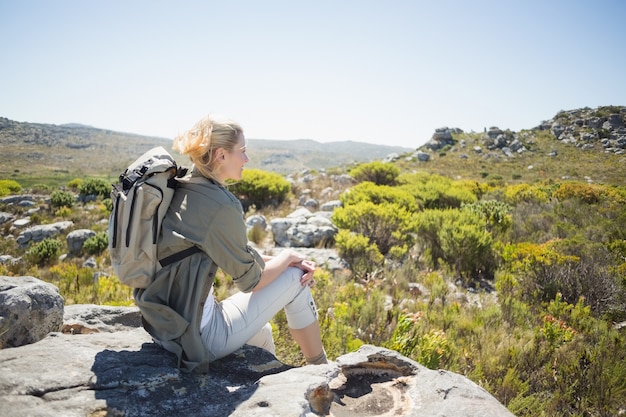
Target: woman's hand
x,y
275,265
308,267
297,260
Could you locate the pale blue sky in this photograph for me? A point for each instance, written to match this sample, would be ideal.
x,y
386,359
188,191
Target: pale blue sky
x,y
386,72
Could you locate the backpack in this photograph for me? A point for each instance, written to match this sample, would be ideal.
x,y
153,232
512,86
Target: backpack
x,y
140,201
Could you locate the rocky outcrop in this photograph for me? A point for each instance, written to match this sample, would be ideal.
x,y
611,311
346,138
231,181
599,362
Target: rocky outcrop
x,y
40,232
104,363
587,128
29,310
303,228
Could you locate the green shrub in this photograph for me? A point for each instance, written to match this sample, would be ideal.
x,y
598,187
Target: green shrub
x,y
378,194
9,187
428,347
378,172
97,244
75,184
261,189
64,212
257,234
385,225
62,198
362,256
436,191
95,187
518,193
589,193
45,252
497,214
78,285
459,238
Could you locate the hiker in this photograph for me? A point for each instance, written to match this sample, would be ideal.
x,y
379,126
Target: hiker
x,y
179,308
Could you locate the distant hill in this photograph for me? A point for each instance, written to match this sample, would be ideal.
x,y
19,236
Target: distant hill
x,y
287,156
581,144
32,149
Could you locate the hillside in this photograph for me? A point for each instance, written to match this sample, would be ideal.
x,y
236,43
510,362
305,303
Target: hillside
x,y
582,144
35,151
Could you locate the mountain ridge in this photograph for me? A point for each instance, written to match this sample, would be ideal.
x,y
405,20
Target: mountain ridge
x,y
576,141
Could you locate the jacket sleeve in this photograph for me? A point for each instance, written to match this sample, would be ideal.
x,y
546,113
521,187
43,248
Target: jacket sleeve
x,y
227,244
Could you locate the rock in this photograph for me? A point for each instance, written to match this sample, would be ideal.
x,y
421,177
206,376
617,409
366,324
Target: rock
x,y
21,222
302,228
422,156
76,238
392,157
29,310
256,220
117,370
17,199
5,217
440,139
330,205
494,132
91,318
39,233
342,179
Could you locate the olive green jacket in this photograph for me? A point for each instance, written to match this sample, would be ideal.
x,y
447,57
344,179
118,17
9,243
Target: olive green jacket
x,y
205,214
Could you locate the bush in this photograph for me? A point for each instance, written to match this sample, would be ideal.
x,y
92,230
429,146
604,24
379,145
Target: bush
x,y
260,189
518,193
9,187
45,252
459,238
62,198
385,225
377,172
438,192
496,214
75,184
78,285
362,256
97,244
378,194
95,187
589,193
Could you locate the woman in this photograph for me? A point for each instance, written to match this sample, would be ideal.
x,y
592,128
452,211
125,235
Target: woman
x,y
178,308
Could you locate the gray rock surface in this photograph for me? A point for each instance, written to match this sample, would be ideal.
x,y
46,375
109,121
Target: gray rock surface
x,y
40,232
103,365
29,310
76,239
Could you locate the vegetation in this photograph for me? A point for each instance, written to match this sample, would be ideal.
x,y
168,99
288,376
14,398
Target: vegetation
x,y
513,277
261,189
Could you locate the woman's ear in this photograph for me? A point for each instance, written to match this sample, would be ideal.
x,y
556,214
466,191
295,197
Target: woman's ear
x,y
219,154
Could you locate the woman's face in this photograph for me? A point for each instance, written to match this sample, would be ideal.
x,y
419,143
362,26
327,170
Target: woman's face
x,y
234,160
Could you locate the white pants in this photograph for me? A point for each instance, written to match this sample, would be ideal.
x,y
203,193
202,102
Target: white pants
x,y
244,317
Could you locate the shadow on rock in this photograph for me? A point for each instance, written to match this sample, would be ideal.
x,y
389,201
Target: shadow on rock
x,y
147,382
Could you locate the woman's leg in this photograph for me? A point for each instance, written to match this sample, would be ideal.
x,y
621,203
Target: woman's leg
x,y
240,317
264,339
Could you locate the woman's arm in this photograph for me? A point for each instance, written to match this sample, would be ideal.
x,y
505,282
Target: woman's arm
x,y
276,265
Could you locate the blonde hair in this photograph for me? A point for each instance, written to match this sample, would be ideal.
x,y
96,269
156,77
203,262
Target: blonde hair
x,y
201,141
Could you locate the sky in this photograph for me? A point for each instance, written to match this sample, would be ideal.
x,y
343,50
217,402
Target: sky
x,y
383,72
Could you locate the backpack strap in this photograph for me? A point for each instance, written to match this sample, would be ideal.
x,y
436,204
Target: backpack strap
x,y
168,260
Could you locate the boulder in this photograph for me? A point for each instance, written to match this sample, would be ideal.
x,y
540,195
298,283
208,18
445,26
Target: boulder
x,y
115,369
29,310
76,238
40,232
302,228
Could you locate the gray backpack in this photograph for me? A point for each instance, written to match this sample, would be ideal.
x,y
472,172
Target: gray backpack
x,y
140,201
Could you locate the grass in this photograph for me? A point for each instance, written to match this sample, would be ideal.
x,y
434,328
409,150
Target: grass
x,y
532,166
